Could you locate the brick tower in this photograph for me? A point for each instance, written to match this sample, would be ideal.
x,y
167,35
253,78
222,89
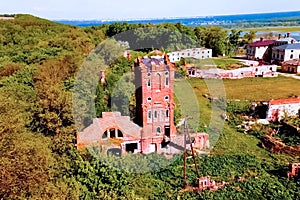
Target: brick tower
x,y
154,79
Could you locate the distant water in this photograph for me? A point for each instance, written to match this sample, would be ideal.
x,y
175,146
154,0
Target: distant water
x,y
194,21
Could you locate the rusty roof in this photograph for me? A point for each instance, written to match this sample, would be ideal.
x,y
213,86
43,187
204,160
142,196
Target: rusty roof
x,y
295,62
284,101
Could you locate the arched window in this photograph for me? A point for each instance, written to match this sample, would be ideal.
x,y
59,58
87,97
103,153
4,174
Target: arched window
x,y
158,130
149,116
148,83
104,136
155,114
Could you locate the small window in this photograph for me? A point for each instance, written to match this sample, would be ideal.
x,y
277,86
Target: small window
x,y
166,98
149,99
112,132
149,74
104,136
291,56
167,81
155,114
148,83
158,130
167,113
149,114
292,51
167,73
120,134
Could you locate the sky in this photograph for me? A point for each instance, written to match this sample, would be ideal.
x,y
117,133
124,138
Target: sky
x,y
139,9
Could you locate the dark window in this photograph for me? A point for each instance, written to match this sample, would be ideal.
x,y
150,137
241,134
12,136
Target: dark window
x,y
149,99
148,83
167,131
131,147
112,133
104,136
166,98
120,134
158,130
155,114
167,81
291,56
167,113
149,114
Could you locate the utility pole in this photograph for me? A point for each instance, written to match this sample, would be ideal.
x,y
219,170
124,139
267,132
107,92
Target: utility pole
x,y
184,155
186,133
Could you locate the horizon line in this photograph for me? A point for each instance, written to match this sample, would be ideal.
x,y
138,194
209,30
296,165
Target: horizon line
x,y
164,17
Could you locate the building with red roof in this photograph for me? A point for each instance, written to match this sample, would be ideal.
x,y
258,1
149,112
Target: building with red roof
x,y
260,49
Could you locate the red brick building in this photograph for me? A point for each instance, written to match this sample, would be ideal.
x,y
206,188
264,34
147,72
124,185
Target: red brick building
x,y
154,129
155,101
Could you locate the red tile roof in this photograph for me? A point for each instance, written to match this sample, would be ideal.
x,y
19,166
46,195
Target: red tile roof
x,y
262,43
284,101
295,62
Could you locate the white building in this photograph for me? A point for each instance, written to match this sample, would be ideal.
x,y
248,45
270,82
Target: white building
x,y
244,72
278,109
197,53
286,52
257,50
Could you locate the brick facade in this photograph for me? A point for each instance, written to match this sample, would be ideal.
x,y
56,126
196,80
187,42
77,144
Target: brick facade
x,y
155,101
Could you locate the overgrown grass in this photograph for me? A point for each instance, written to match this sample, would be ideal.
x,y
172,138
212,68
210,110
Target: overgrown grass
x,y
221,63
275,28
252,89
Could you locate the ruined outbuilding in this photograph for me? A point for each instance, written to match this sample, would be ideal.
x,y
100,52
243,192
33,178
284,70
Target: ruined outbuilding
x,y
278,109
244,72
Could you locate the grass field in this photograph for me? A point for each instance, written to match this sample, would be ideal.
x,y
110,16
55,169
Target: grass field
x,y
277,29
253,89
222,63
258,89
